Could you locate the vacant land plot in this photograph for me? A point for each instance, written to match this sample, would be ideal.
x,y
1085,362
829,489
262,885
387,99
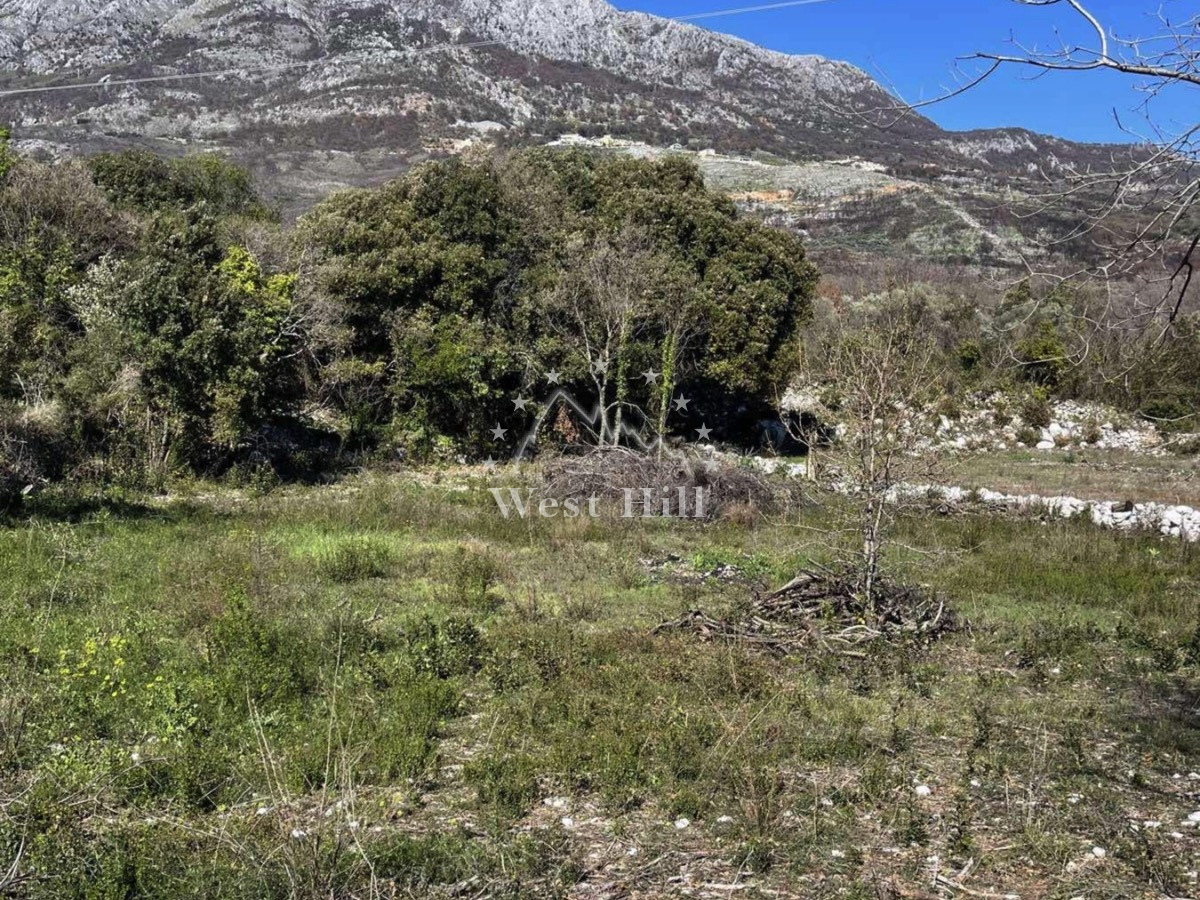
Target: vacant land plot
x,y
1087,474
384,689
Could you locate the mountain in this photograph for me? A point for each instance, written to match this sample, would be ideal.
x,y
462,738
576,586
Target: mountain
x,y
363,89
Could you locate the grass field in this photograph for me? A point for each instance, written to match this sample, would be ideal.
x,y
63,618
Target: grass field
x,y
1087,474
385,689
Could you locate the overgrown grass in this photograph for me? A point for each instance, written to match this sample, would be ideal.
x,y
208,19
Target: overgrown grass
x,y
386,689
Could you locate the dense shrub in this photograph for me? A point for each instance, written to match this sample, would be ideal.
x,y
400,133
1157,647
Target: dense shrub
x,y
141,180
155,318
1043,356
456,280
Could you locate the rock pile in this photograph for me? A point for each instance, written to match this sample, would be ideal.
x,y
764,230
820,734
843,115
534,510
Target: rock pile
x,y
1073,425
991,422
1181,522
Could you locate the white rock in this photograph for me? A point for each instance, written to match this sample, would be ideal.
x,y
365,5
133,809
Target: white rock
x,y
923,790
682,823
1099,852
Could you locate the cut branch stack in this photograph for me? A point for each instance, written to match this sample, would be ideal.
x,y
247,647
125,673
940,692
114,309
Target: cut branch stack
x,y
823,611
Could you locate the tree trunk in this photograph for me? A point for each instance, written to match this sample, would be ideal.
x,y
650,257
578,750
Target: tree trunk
x,y
622,377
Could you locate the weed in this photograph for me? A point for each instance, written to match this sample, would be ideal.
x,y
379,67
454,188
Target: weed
x,y
355,559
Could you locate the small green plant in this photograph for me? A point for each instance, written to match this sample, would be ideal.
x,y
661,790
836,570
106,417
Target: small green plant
x,y
474,577
445,649
506,785
969,355
355,559
1035,408
1028,436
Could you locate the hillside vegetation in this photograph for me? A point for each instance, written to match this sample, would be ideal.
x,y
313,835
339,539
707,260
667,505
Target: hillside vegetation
x,y
157,320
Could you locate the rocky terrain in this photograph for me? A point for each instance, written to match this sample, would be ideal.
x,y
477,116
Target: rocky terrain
x,y
1174,521
361,90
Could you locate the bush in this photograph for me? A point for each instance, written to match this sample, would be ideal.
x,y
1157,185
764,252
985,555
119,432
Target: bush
x,y
253,655
1030,437
144,181
447,648
1043,356
1036,410
969,355
1170,415
473,580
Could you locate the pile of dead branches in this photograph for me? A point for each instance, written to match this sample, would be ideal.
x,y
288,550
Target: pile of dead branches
x,y
824,611
607,473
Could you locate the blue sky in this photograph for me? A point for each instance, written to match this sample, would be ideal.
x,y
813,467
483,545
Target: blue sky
x,y
912,45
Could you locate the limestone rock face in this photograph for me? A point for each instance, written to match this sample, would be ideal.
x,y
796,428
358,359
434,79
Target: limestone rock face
x,y
350,92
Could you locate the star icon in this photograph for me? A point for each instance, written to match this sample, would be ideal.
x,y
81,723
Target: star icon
x,y
498,433
489,465
651,376
704,431
681,403
519,403
599,366
553,376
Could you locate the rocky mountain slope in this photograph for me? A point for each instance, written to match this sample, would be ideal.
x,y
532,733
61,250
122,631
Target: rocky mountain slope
x,y
366,90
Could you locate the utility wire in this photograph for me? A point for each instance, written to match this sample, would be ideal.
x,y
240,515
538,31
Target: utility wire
x,y
746,9
354,57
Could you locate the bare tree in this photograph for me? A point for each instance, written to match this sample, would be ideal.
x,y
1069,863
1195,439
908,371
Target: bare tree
x,y
883,373
1142,212
613,294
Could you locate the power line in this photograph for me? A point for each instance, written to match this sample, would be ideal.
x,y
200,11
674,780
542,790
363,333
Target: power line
x,y
746,9
281,67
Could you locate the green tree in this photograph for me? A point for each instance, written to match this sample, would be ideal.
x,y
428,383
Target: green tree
x,y
53,225
144,181
211,337
411,268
